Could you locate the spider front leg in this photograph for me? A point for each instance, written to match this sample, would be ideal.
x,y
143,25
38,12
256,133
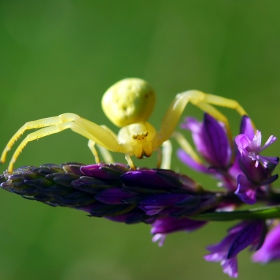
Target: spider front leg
x,y
202,101
57,124
34,125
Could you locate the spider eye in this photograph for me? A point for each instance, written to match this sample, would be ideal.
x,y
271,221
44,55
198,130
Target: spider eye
x,y
128,101
140,136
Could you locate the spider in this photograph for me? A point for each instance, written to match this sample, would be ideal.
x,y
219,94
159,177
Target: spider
x,y
128,104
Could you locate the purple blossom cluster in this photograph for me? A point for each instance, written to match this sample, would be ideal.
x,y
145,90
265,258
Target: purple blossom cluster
x,y
170,201
240,168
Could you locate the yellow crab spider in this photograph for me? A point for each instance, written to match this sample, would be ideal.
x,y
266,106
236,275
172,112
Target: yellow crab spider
x,y
128,104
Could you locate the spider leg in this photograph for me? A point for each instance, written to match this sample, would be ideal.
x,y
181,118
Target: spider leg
x,y
81,126
91,145
42,133
129,161
37,124
201,100
185,145
164,155
106,155
101,135
224,102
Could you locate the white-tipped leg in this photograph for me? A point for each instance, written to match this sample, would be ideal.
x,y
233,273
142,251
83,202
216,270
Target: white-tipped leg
x,y
166,155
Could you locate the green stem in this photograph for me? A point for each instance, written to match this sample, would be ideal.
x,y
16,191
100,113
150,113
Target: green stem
x,y
266,212
262,213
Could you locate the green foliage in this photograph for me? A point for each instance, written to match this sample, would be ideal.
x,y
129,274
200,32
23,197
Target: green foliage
x,y
60,56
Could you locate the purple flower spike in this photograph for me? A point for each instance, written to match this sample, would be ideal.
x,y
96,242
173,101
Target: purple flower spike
x,y
145,179
162,226
103,171
161,180
270,250
240,236
114,196
155,203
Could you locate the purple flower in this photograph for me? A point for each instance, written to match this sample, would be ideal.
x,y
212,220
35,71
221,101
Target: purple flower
x,y
246,191
256,169
246,127
103,171
112,191
156,203
242,169
251,148
114,196
164,225
157,179
239,237
270,250
211,140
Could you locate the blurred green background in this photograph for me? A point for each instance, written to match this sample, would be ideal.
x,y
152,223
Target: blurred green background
x,y
59,56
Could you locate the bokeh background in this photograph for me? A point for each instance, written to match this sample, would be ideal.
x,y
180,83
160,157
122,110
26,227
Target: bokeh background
x,y
59,56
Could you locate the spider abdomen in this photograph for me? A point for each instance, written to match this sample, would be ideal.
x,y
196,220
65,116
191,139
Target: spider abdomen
x,y
128,101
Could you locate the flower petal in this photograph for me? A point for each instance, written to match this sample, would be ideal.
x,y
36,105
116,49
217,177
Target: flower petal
x,y
270,249
216,141
230,267
189,161
250,232
246,191
246,127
